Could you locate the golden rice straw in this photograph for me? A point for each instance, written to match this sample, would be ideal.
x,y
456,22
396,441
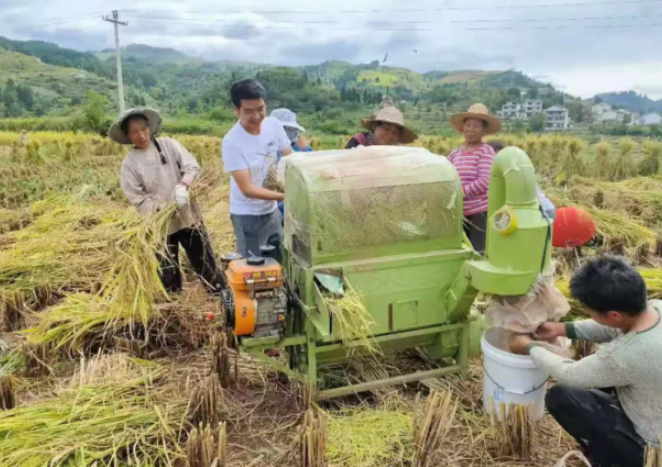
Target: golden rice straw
x,y
220,360
351,321
206,403
583,349
7,392
514,430
431,429
652,457
312,439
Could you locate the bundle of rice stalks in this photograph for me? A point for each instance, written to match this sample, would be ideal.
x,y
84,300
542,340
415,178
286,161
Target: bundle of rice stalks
x,y
609,224
583,349
206,405
220,359
38,265
650,165
7,392
109,421
369,437
643,183
312,439
652,457
351,321
572,163
513,432
602,160
316,143
620,197
127,298
11,220
623,165
432,426
206,448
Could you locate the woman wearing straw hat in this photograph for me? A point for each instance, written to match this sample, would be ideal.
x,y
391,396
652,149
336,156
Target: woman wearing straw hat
x,y
385,128
473,161
156,172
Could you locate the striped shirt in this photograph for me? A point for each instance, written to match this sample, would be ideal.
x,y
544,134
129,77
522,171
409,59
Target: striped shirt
x,y
474,167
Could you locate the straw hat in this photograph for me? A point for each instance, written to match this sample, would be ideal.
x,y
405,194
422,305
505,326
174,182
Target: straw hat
x,y
153,122
480,112
390,114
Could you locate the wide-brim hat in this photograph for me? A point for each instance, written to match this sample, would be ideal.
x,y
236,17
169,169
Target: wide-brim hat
x,y
288,119
153,122
390,114
479,111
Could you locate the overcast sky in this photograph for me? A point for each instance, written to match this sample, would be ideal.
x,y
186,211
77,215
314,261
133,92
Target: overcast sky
x,y
581,46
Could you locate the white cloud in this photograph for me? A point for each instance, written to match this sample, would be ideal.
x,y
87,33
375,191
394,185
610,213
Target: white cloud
x,y
584,58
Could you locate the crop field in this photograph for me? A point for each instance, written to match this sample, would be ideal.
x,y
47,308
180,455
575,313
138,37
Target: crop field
x,y
100,367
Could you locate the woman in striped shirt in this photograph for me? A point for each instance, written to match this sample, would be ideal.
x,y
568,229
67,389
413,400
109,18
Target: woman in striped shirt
x,y
473,162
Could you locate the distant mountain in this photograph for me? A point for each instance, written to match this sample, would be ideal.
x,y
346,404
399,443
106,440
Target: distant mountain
x,y
157,76
632,101
53,54
151,55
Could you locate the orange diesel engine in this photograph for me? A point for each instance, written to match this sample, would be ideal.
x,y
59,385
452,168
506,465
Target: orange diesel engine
x,y
255,301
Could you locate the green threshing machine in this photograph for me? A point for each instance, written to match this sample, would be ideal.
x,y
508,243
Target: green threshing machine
x,y
387,223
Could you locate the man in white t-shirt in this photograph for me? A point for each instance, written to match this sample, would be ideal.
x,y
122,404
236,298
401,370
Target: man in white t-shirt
x,y
248,150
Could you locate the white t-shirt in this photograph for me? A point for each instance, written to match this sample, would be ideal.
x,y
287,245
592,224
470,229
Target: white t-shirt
x,y
255,153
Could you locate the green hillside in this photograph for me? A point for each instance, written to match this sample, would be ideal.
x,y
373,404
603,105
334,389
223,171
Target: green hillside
x,y
53,86
150,55
332,95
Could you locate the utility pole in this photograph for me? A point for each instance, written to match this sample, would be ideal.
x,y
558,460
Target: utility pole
x,y
118,56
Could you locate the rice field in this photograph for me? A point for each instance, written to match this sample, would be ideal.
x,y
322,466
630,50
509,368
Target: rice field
x,y
100,367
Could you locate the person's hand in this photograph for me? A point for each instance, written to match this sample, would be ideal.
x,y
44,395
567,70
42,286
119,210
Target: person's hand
x,y
518,342
181,195
549,331
302,143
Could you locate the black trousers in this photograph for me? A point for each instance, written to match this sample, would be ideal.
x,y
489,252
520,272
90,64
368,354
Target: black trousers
x,y
597,421
475,226
200,254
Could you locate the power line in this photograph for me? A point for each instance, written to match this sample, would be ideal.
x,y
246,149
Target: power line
x,y
301,25
537,28
542,20
66,19
410,10
395,23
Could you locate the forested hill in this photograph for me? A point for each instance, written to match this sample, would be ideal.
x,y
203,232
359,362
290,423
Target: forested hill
x,y
59,80
632,101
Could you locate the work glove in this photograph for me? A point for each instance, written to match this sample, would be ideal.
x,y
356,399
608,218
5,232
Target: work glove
x,y
181,195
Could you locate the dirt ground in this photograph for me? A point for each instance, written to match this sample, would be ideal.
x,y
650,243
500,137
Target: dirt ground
x,y
264,410
265,413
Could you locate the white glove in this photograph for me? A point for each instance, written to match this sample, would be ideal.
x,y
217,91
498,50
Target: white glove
x,y
181,195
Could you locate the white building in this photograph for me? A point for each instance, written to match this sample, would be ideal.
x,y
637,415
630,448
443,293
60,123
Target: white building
x,y
608,116
600,110
532,106
557,119
623,116
512,110
651,119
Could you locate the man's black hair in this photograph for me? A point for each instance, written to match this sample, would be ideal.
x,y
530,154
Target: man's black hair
x,y
125,123
608,283
496,145
246,89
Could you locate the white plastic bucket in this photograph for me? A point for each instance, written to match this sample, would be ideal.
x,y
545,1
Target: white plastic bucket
x,y
509,378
